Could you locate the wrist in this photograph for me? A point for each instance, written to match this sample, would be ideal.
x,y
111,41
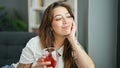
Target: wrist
x,y
75,44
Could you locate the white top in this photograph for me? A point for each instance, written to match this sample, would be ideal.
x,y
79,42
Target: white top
x,y
32,52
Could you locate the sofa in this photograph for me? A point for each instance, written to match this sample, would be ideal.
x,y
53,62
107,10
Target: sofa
x,y
11,45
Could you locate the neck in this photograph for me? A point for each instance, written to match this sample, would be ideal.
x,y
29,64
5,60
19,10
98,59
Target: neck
x,y
59,41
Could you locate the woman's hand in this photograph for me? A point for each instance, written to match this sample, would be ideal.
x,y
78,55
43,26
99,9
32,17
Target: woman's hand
x,y
42,64
71,36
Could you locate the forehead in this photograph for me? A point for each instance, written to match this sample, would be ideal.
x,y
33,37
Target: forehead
x,y
59,10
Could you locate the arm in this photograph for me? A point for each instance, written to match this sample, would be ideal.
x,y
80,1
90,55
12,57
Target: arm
x,y
20,65
82,58
39,64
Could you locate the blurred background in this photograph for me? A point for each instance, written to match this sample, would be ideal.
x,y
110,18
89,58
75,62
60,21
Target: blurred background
x,y
13,15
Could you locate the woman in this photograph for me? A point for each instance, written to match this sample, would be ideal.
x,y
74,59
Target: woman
x,y
57,29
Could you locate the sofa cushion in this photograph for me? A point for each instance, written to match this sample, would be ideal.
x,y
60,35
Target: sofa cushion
x,y
11,45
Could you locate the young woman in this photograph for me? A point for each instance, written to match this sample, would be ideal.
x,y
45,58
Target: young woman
x,y
57,29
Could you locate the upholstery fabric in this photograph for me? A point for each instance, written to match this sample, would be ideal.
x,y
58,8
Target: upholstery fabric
x,y
11,45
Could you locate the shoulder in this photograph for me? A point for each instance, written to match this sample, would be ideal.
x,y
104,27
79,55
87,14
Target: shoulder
x,y
33,42
33,39
31,50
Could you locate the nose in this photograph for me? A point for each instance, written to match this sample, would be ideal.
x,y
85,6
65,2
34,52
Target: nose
x,y
64,20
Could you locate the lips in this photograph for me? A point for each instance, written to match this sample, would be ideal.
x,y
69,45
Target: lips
x,y
66,27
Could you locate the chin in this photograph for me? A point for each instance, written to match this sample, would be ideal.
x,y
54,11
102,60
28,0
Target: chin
x,y
66,33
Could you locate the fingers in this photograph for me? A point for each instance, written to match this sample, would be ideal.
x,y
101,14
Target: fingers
x,y
41,59
73,29
72,36
44,63
74,26
41,63
49,67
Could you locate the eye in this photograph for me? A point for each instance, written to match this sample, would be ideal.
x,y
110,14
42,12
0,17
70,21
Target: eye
x,y
58,19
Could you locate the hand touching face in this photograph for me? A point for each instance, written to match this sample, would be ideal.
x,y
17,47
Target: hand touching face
x,y
71,35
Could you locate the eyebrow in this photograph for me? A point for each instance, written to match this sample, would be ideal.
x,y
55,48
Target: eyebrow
x,y
60,14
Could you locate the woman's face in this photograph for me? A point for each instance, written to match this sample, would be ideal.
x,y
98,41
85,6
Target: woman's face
x,y
62,21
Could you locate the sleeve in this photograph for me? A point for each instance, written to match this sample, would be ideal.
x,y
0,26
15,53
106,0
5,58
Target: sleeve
x,y
27,55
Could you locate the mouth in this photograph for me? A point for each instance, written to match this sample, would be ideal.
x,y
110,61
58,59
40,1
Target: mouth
x,y
66,27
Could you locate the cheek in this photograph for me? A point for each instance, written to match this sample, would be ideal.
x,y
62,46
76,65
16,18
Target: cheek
x,y
70,20
56,25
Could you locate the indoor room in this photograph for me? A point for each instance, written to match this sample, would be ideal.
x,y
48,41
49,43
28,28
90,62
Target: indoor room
x,y
96,31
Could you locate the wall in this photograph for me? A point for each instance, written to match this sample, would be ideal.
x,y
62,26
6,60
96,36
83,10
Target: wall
x,y
82,22
97,30
118,37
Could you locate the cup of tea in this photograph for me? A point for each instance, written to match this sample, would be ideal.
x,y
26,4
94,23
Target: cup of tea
x,y
51,55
